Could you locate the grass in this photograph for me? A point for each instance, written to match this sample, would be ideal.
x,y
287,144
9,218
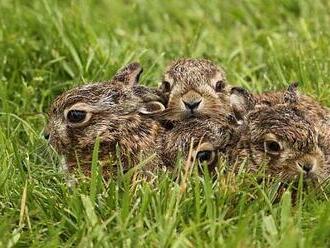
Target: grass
x,y
49,46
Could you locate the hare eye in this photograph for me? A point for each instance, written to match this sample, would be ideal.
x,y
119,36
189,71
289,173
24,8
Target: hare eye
x,y
76,116
272,147
219,85
166,86
205,156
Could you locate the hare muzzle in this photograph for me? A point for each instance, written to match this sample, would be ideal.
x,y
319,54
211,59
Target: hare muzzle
x,y
191,102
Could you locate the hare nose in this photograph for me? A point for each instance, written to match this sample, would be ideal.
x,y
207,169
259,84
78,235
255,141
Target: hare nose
x,y
46,136
192,105
307,167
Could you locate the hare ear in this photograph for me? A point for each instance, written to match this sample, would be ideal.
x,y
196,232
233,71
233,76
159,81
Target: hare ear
x,y
241,101
291,94
129,75
151,108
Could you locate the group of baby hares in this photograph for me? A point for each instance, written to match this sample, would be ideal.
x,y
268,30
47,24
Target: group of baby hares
x,y
195,114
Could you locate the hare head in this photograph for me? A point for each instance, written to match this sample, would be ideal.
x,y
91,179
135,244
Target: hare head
x,y
194,88
116,112
281,135
198,140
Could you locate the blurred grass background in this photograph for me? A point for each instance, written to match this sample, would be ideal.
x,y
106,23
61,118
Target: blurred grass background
x,y
49,46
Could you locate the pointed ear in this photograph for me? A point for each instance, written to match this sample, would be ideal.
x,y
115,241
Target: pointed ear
x,y
291,94
151,108
129,75
241,101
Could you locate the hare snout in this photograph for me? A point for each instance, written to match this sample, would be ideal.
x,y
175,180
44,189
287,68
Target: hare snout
x,y
310,164
191,102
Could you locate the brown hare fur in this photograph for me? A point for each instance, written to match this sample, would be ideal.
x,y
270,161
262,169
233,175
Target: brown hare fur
x,y
283,136
117,112
194,88
313,108
201,140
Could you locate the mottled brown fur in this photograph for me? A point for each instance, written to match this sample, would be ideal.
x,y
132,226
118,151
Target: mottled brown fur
x,y
285,120
189,137
117,114
189,81
313,108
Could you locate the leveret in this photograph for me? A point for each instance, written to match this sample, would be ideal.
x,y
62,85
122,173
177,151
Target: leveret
x,y
194,88
285,137
200,140
117,112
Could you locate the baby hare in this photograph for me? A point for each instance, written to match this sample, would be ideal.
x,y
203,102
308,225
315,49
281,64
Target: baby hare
x,y
116,112
282,136
194,88
198,140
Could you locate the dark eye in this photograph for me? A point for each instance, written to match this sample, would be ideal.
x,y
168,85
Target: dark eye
x,y
204,156
219,85
272,147
76,116
166,86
